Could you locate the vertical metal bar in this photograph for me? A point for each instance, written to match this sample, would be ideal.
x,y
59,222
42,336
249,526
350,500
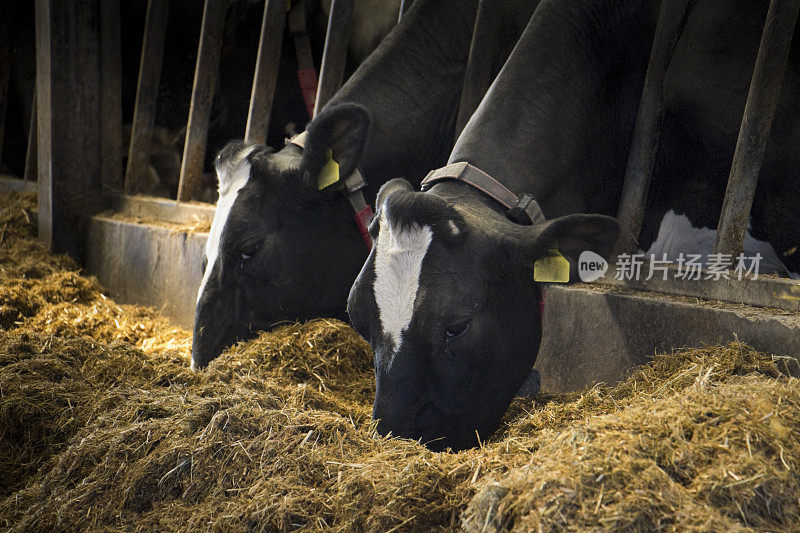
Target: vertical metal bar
x,y
335,55
67,79
5,65
649,121
111,95
205,80
478,75
31,153
44,130
765,88
144,112
266,75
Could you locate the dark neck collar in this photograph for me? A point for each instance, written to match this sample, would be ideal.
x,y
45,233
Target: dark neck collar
x,y
521,209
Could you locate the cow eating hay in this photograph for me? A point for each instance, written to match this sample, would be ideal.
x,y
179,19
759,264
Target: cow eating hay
x,y
103,426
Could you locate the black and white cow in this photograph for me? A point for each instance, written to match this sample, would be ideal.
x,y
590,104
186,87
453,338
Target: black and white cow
x,y
281,249
447,297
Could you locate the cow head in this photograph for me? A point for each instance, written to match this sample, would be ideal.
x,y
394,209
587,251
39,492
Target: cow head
x,y
280,248
448,302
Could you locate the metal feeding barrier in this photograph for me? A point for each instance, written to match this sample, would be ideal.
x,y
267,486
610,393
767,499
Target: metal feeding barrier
x,y
77,158
762,100
92,31
108,117
205,78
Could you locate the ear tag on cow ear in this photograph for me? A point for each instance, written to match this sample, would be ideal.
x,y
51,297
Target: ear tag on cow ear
x,y
551,269
329,173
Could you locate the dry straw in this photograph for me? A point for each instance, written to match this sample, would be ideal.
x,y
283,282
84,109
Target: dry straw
x,y
102,426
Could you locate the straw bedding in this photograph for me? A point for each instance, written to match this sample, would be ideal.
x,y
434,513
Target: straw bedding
x,y
102,426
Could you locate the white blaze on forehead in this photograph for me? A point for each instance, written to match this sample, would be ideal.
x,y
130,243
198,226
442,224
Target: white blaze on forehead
x,y
232,177
398,263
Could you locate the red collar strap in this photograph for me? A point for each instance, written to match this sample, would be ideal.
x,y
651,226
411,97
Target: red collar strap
x,y
306,73
354,189
520,209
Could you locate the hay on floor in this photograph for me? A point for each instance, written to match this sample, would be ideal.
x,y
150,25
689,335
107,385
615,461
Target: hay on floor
x,y
102,426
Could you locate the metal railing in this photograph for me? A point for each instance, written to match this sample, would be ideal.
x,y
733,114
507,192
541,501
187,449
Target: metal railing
x,y
762,100
206,70
755,127
73,157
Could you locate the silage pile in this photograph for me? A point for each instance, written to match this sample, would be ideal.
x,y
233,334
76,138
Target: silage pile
x,y
102,426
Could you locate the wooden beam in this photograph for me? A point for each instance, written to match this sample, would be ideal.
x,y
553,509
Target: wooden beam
x,y
205,80
266,74
334,58
765,88
144,112
647,135
111,96
68,121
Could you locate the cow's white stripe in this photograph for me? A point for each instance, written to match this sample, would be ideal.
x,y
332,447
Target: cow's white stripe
x,y
232,177
398,263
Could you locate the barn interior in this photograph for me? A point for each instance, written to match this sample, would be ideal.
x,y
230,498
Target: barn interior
x,y
663,404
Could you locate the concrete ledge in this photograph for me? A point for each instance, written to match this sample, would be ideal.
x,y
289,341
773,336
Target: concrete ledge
x,y
149,208
148,264
9,183
599,334
764,291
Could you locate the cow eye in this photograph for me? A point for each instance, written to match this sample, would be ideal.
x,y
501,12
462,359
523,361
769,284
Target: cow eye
x,y
249,250
456,329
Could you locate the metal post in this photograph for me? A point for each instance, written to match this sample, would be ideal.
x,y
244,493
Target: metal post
x,y
335,55
649,121
205,79
266,75
765,88
144,111
67,78
111,95
478,75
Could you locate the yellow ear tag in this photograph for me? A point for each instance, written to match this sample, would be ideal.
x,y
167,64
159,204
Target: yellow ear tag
x,y
551,269
329,173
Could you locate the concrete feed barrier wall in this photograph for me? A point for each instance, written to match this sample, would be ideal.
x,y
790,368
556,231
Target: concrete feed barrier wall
x,y
148,264
592,333
599,334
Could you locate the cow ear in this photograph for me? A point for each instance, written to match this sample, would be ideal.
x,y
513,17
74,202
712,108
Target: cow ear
x,y
338,133
570,235
228,160
393,185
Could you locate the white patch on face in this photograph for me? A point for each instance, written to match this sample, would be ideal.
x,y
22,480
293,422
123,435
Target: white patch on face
x,y
398,263
676,235
229,187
